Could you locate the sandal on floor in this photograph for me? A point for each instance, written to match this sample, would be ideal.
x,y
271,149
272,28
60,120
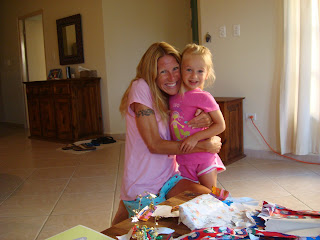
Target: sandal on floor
x,y
83,147
106,140
95,142
68,146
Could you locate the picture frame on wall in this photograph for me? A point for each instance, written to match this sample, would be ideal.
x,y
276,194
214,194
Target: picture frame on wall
x,y
55,74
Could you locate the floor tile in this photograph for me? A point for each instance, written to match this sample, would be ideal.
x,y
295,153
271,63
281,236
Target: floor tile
x,y
300,183
100,170
75,203
8,184
42,186
23,173
240,173
241,162
91,184
20,228
289,202
251,160
29,205
281,169
314,168
53,173
257,189
108,155
311,199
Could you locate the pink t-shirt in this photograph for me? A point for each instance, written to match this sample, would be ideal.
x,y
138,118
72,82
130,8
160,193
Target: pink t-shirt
x,y
144,171
182,110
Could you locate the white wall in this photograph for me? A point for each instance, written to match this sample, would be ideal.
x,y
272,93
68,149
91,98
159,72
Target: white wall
x,y
130,27
247,66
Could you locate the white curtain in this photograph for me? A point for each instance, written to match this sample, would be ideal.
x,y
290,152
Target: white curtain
x,y
299,88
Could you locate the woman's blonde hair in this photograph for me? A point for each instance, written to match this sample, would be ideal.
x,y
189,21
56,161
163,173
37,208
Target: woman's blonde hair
x,y
204,52
147,69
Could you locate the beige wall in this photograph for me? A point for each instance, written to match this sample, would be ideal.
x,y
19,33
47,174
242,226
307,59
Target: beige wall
x,y
35,48
130,27
248,66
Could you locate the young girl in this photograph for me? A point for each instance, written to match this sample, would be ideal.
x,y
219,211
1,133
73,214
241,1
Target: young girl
x,y
196,69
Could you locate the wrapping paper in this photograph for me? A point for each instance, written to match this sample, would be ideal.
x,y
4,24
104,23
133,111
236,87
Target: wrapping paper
x,y
270,210
206,211
146,213
219,193
165,211
299,227
216,233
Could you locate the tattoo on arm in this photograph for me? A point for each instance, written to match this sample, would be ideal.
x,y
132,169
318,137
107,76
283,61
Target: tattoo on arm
x,y
145,112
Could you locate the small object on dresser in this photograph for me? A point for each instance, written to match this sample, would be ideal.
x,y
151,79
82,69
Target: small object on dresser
x,y
55,74
68,72
88,73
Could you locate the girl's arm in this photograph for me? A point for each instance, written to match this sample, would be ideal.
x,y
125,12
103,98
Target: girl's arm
x,y
216,128
148,129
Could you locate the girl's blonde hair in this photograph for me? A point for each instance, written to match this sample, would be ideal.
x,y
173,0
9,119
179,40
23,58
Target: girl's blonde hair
x,y
204,52
147,69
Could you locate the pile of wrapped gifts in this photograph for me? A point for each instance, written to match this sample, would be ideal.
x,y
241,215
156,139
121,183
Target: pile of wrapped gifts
x,y
210,218
213,216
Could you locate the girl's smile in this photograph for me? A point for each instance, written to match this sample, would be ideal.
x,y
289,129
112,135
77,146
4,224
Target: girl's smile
x,y
194,71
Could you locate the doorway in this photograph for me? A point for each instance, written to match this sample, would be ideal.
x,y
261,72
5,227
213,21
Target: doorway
x,y
32,49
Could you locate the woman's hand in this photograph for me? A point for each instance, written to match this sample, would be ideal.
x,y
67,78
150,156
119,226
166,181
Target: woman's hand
x,y
200,120
212,145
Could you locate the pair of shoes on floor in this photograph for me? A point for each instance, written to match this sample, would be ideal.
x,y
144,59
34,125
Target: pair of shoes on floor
x,y
80,147
103,140
68,146
84,147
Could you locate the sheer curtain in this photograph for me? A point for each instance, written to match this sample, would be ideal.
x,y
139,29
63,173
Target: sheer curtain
x,y
299,88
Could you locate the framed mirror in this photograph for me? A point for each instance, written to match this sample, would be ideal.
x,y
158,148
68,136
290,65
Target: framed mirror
x,y
69,31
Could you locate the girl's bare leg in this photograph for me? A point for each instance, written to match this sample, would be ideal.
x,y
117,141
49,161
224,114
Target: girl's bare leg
x,y
209,180
121,215
187,185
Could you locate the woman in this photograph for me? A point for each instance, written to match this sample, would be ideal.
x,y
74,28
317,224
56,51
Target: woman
x,y
148,167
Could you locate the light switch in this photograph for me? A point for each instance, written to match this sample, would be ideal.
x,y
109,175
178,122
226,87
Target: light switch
x,y
223,31
236,30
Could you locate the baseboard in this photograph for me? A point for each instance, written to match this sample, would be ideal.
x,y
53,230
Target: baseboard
x,y
264,154
9,124
118,136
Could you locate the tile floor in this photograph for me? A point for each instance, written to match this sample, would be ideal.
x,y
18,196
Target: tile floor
x,y
44,191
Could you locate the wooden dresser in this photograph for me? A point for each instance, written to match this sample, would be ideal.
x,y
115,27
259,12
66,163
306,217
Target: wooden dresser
x,y
232,137
67,109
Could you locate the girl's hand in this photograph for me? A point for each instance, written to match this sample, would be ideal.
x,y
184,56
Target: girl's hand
x,y
200,120
188,144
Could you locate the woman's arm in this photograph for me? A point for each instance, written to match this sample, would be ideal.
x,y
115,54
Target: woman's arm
x,y
148,129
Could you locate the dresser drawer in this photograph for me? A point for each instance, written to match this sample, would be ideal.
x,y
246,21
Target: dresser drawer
x,y
45,90
32,90
61,89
